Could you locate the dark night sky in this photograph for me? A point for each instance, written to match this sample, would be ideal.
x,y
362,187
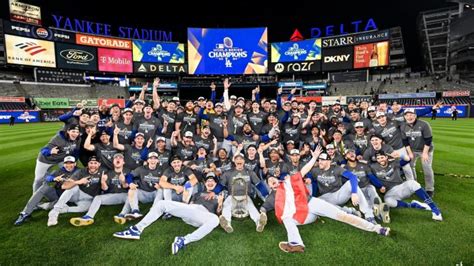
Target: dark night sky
x,y
281,19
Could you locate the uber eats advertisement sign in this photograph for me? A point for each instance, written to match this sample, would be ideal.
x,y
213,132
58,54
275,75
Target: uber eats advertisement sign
x,y
52,103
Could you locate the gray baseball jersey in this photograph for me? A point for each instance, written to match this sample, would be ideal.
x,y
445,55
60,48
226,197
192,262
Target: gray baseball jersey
x,y
388,175
416,134
146,178
250,178
329,180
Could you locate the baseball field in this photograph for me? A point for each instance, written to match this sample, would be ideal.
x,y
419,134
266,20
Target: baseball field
x,y
415,239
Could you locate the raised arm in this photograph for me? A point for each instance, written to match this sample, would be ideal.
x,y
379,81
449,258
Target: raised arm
x,y
308,166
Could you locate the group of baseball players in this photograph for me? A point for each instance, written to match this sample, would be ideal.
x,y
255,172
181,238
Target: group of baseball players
x,y
202,161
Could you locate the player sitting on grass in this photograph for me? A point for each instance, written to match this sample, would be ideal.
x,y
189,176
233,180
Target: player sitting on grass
x,y
201,213
395,189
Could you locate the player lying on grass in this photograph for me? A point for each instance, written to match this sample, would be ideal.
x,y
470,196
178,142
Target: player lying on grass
x,y
294,206
201,213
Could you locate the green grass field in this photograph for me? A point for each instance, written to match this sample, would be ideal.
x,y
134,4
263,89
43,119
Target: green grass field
x,y
415,239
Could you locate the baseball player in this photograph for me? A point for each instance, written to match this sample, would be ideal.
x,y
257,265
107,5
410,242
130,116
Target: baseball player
x,y
201,213
174,178
115,186
294,206
364,177
418,140
81,188
396,189
104,150
136,153
63,144
392,136
329,180
250,177
51,188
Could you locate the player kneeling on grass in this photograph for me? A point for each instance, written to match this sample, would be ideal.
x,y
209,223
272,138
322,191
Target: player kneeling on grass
x,y
201,212
395,189
294,206
81,188
115,186
238,183
51,188
143,187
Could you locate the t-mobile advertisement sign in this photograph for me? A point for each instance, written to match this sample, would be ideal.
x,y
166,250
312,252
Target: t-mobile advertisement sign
x,y
111,60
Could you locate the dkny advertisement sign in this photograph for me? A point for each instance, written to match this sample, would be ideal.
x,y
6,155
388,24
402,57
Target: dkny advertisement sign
x,y
338,58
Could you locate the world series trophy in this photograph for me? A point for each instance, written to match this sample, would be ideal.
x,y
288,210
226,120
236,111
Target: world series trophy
x,y
239,202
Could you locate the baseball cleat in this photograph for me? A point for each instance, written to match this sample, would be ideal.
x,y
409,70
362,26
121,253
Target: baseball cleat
x,y
385,213
419,205
23,217
437,217
177,245
225,224
262,221
82,221
377,207
52,218
120,219
291,247
384,231
131,233
134,215
166,216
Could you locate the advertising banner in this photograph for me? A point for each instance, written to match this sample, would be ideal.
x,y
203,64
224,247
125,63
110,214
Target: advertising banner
x,y
337,41
52,115
359,98
371,55
349,76
307,99
445,111
25,13
88,103
456,93
115,60
407,95
109,102
158,52
72,56
307,50
337,58
29,52
372,36
8,99
52,103
20,116
99,41
150,68
295,67
38,32
227,51
332,100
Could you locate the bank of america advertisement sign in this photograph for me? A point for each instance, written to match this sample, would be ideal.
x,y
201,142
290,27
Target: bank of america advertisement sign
x,y
158,52
29,52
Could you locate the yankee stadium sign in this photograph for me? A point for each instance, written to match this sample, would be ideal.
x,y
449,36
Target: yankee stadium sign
x,y
96,28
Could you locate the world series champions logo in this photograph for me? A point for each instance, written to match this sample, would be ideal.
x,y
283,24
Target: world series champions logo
x,y
226,51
